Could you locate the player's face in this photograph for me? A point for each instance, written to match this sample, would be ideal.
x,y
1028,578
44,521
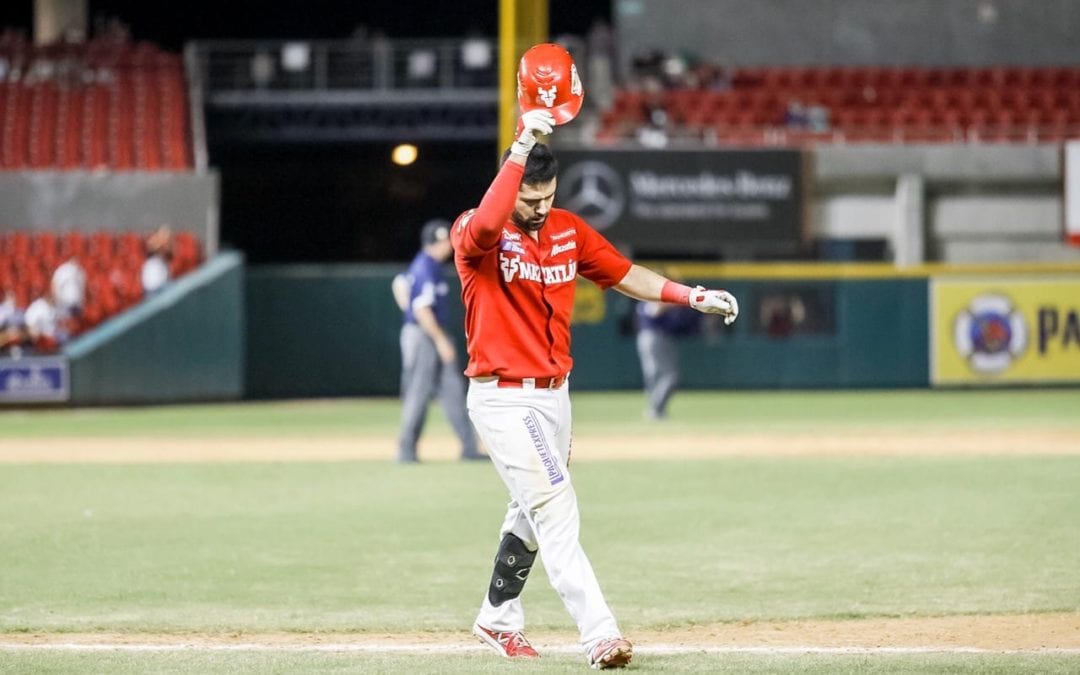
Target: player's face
x,y
441,250
533,205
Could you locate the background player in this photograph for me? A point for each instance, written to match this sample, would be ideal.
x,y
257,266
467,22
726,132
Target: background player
x,y
428,356
518,259
659,326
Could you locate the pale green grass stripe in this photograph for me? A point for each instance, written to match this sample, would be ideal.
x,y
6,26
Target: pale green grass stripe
x,y
594,412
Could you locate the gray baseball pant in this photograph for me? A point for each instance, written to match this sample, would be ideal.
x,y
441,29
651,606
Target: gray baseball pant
x,y
424,376
660,368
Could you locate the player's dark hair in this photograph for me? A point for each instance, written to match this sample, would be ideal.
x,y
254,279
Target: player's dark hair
x,y
540,167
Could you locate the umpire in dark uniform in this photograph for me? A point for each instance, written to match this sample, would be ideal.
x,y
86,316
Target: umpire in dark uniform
x,y
429,364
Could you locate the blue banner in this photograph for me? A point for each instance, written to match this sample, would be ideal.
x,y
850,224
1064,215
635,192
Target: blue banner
x,y
33,379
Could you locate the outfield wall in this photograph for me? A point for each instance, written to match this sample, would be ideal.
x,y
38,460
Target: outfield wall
x,y
857,333
323,330
224,332
332,330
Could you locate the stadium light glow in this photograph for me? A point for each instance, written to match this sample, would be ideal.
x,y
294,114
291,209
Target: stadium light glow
x,y
404,154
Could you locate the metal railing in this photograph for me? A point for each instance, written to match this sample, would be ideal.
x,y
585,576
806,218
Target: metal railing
x,y
338,65
353,89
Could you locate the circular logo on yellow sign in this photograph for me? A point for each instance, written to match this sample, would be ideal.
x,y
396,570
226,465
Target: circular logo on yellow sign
x,y
990,333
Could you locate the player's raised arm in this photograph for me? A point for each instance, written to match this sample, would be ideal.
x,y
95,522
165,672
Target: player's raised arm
x,y
642,283
481,231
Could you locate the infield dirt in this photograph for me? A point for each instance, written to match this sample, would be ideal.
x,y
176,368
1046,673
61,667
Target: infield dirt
x,y
586,447
1026,632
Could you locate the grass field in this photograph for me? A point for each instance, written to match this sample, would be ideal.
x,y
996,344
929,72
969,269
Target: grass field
x,y
717,551
803,412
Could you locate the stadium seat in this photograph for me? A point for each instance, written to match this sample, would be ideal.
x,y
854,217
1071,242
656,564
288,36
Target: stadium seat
x,y
123,107
69,118
112,261
904,104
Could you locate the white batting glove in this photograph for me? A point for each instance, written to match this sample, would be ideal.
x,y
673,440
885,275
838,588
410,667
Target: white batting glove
x,y
533,123
715,302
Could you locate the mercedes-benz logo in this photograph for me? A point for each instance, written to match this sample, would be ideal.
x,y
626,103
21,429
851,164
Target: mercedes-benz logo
x,y
594,191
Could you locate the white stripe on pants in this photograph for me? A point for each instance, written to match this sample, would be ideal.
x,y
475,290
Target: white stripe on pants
x,y
527,434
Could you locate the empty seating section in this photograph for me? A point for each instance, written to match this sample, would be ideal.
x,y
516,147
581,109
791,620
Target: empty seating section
x,y
105,104
112,263
904,105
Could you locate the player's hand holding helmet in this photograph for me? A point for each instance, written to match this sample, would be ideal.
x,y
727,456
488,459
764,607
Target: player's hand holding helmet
x,y
715,302
533,124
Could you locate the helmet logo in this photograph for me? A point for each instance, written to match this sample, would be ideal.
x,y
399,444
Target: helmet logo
x,y
547,95
575,81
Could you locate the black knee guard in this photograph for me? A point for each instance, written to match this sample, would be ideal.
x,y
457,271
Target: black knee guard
x,y
512,565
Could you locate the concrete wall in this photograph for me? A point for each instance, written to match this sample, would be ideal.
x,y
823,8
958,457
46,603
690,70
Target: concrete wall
x,y
132,201
839,32
993,203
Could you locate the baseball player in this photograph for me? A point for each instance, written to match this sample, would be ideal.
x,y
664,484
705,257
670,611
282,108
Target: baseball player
x,y
428,356
659,325
518,258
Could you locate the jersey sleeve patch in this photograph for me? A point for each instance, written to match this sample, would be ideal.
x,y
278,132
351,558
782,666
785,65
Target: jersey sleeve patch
x,y
462,236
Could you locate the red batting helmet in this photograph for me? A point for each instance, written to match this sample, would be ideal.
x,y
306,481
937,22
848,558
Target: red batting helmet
x,y
547,78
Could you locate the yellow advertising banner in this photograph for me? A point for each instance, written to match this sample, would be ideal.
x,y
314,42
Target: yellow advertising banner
x,y
1004,330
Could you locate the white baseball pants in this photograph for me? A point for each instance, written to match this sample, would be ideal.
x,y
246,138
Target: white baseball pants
x,y
527,434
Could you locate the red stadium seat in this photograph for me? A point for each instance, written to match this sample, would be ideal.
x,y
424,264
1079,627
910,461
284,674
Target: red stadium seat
x,y
72,244
95,132
131,114
21,245
16,129
42,128
69,127
905,104
958,77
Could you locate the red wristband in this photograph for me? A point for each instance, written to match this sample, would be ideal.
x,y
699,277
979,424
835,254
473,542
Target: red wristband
x,y
675,293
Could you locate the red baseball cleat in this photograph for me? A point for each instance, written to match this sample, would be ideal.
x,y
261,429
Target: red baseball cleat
x,y
511,644
611,653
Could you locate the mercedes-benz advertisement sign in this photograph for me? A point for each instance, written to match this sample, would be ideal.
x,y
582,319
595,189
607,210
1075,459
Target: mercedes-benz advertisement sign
x,y
687,202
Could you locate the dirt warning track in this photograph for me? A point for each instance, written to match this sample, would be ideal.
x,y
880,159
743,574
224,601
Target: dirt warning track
x,y
1002,633
587,447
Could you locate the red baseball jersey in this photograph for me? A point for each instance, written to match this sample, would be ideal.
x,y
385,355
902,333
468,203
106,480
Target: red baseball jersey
x,y
518,292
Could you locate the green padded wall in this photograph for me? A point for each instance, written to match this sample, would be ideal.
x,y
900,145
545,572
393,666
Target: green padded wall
x,y
877,338
323,330
332,330
183,344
